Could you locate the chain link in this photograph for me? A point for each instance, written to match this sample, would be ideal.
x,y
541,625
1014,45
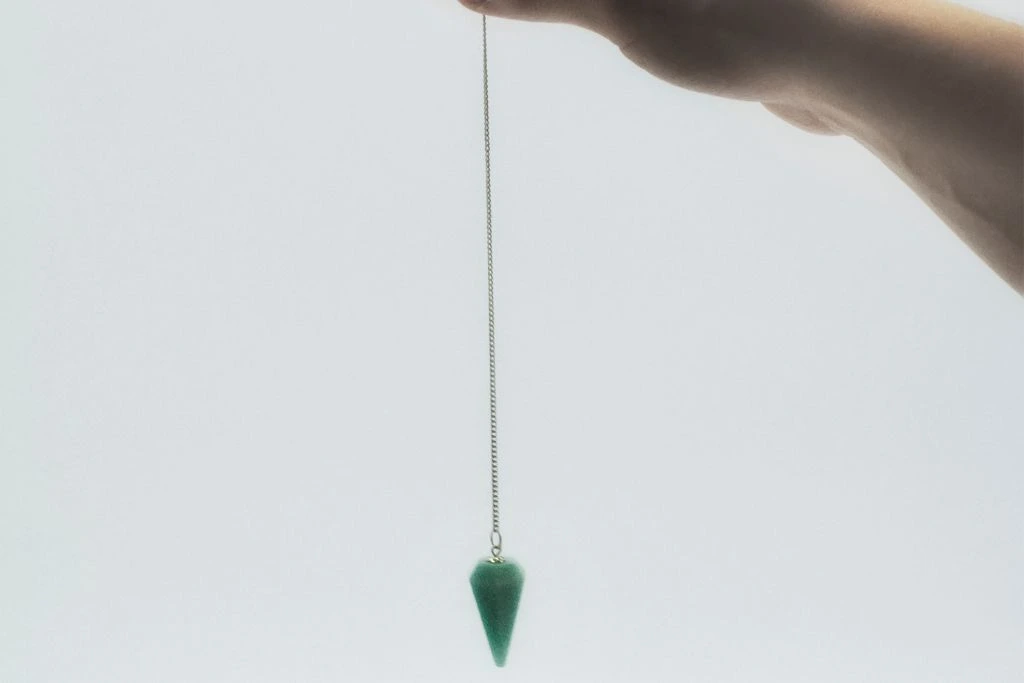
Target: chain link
x,y
495,531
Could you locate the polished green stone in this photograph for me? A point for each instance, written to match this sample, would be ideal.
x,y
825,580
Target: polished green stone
x,y
497,587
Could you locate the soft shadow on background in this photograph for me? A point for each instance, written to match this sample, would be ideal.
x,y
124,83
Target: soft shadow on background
x,y
761,412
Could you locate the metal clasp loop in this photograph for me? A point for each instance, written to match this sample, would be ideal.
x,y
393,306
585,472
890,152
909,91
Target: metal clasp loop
x,y
496,547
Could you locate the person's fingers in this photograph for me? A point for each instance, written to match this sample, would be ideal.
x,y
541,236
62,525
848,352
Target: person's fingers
x,y
595,15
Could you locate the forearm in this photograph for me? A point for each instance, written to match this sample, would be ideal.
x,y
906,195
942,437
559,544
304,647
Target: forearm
x,y
936,91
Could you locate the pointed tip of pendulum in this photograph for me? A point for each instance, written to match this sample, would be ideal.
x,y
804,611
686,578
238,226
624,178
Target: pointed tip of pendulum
x,y
497,586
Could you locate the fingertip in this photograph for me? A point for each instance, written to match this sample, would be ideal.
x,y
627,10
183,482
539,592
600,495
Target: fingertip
x,y
596,15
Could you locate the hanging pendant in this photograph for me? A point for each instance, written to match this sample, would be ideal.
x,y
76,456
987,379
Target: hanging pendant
x,y
497,585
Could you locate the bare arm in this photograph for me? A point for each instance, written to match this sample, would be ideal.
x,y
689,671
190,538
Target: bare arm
x,y
935,90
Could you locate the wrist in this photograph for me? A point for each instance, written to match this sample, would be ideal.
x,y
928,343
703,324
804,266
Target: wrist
x,y
817,78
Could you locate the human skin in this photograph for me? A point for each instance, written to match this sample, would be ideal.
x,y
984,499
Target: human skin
x,y
933,89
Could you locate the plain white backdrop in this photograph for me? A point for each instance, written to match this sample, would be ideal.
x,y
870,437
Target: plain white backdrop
x,y
761,413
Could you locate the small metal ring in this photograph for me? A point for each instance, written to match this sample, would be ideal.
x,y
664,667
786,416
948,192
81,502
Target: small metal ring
x,y
496,541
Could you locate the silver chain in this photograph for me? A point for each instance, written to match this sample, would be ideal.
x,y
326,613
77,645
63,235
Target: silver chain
x,y
495,531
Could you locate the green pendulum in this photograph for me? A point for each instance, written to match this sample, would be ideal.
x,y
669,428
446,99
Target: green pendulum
x,y
497,582
496,587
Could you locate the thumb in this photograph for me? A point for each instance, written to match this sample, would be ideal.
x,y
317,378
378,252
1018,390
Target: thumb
x,y
595,15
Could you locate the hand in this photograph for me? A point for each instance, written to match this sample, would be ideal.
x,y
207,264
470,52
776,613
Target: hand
x,y
743,49
931,88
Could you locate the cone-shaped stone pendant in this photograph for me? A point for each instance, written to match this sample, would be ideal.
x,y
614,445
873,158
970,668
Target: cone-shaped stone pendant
x,y
497,587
